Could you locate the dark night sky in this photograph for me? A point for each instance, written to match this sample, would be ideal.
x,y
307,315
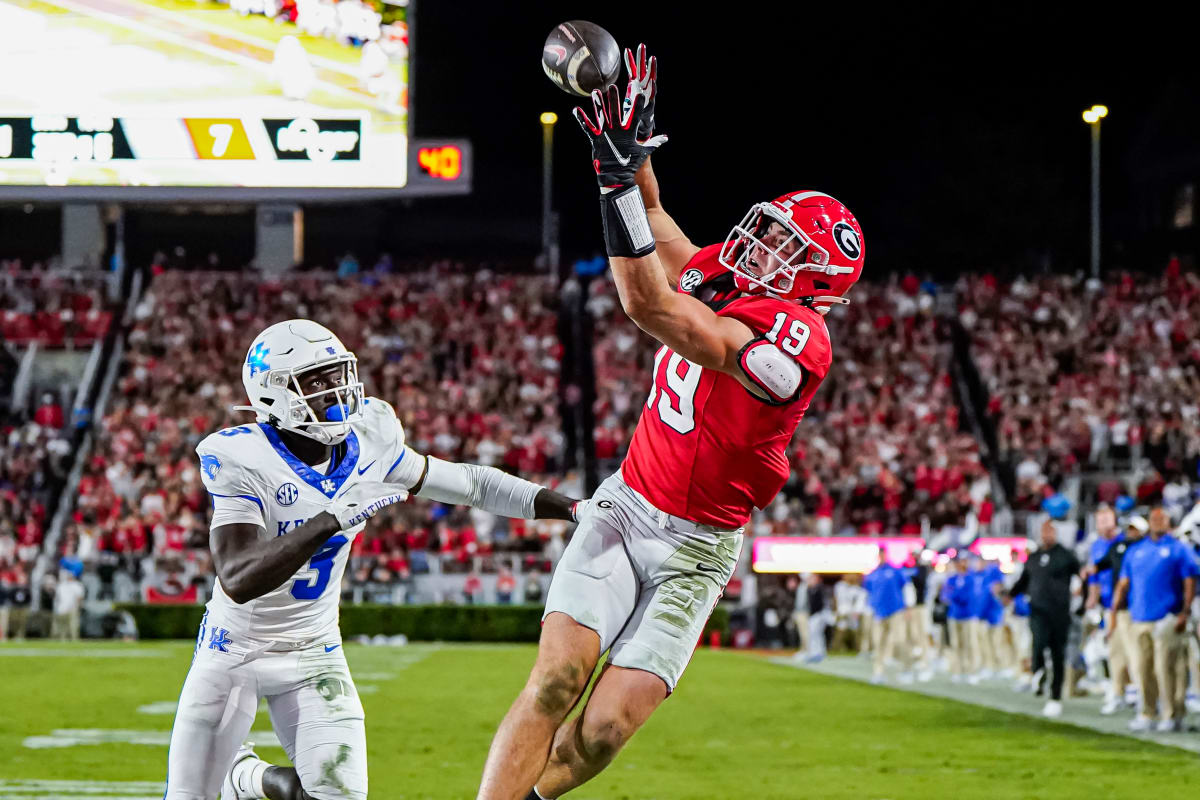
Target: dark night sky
x,y
957,140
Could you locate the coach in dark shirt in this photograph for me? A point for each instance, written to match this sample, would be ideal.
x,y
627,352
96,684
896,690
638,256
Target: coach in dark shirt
x,y
1047,580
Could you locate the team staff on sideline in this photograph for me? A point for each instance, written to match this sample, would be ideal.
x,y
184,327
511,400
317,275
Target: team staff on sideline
x,y
1047,578
956,592
885,593
1122,659
1158,576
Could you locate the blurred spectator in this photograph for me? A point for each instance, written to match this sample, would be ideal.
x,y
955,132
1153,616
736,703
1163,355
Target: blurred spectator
x,y
49,414
19,599
506,584
68,598
533,587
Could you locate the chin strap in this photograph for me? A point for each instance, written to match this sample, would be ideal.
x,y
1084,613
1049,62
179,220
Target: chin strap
x,y
811,302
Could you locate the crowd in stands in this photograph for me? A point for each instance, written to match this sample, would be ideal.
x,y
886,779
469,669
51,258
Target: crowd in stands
x,y
52,306
468,360
1085,375
1078,374
55,308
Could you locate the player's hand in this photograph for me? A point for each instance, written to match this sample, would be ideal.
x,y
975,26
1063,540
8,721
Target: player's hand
x,y
1181,621
364,500
643,80
618,148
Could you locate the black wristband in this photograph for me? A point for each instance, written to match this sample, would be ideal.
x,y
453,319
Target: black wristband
x,y
627,231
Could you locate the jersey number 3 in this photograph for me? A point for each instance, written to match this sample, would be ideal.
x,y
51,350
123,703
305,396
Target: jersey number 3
x,y
312,584
676,399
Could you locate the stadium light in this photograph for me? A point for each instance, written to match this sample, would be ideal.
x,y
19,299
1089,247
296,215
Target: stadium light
x,y
549,240
1092,117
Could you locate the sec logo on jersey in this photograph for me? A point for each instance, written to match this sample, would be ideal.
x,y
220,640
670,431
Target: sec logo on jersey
x,y
287,494
690,281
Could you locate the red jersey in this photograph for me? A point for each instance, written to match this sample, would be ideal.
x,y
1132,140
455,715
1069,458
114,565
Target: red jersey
x,y
706,448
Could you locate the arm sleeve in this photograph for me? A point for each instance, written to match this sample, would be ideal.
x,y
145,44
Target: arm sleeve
x,y
486,488
407,469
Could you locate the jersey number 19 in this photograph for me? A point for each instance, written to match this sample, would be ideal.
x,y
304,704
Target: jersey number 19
x,y
677,397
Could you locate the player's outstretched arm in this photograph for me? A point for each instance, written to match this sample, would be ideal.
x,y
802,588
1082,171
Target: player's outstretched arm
x,y
250,565
674,248
486,488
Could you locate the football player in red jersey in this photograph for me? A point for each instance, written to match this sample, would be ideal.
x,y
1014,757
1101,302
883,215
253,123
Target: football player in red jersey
x,y
744,349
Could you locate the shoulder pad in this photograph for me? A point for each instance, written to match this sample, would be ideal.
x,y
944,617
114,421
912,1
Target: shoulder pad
x,y
801,333
379,419
222,456
773,372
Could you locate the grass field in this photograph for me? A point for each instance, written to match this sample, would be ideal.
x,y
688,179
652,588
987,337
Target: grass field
x,y
738,727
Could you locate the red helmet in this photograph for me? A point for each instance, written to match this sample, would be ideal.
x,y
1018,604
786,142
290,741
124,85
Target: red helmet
x,y
813,252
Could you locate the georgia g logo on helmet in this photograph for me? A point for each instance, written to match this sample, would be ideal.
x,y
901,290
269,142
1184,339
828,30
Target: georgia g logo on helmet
x,y
847,240
804,246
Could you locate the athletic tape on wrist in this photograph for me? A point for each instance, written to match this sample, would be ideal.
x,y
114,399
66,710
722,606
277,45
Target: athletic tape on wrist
x,y
627,232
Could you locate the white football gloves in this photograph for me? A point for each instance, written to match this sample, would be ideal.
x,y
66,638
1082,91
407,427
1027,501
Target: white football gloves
x,y
364,500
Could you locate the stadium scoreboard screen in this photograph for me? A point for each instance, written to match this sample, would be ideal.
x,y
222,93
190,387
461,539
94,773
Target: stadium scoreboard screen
x,y
212,98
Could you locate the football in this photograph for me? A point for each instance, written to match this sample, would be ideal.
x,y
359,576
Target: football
x,y
580,57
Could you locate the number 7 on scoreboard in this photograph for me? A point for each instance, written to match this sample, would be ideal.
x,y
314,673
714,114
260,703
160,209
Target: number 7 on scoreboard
x,y
219,139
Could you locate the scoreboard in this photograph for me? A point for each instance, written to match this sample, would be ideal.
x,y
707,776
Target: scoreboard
x,y
236,100
61,140
317,155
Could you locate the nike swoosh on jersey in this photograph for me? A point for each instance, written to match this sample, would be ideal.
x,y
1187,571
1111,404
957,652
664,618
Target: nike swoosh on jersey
x,y
367,467
613,147
331,649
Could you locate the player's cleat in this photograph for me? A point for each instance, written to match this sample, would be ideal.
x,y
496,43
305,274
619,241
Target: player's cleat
x,y
1111,706
1140,723
1023,683
1169,726
1052,709
925,675
878,680
905,679
956,678
245,773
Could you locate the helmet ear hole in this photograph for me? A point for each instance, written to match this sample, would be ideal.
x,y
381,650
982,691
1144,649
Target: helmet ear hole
x,y
267,401
822,285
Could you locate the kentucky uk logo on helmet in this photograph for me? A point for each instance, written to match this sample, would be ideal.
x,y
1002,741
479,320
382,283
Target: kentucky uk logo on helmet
x,y
297,348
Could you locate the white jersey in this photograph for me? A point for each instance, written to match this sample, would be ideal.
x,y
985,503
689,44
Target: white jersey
x,y
254,479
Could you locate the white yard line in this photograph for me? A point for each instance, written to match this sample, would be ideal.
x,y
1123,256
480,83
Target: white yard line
x,y
30,652
34,789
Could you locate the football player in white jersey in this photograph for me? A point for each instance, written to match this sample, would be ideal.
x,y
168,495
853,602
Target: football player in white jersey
x,y
290,492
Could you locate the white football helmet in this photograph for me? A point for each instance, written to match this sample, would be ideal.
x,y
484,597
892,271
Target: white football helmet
x,y
282,353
